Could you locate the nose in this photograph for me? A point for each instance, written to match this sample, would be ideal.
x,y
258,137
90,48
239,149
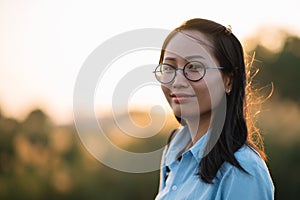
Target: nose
x,y
180,80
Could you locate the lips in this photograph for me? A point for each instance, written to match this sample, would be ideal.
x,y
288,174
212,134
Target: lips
x,y
181,97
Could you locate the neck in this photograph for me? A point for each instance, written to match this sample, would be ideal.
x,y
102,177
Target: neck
x,y
198,127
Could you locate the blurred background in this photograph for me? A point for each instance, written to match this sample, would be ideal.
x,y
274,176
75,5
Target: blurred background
x,y
42,47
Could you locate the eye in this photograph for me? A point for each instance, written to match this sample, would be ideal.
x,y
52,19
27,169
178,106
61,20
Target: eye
x,y
166,68
195,66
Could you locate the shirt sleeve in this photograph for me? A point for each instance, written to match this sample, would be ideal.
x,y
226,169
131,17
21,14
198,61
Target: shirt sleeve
x,y
236,184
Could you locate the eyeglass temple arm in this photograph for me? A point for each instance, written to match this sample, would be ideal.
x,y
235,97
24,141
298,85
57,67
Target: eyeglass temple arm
x,y
214,67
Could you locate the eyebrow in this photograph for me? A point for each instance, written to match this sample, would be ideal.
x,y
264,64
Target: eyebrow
x,y
169,58
186,58
193,57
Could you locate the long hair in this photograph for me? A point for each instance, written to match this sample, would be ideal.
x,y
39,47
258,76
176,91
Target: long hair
x,y
238,128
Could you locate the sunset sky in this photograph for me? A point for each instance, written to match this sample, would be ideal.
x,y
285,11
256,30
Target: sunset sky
x,y
43,44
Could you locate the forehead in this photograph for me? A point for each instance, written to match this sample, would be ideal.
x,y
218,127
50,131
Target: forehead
x,y
189,43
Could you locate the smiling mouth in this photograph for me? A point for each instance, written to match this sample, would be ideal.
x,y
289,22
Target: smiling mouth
x,y
181,98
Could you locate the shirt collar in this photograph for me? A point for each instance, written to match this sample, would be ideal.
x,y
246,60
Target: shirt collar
x,y
180,140
198,148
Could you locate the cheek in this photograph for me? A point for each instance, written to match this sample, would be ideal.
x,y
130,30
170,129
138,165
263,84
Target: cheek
x,y
214,90
203,95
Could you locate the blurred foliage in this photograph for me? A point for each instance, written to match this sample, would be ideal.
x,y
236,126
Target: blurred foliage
x,y
281,68
40,160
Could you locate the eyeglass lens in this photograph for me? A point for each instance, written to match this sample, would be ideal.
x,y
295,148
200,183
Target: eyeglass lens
x,y
193,71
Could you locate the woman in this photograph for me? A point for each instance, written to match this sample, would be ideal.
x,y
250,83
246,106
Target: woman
x,y
213,156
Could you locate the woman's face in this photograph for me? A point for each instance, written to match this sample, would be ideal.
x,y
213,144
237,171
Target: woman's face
x,y
188,99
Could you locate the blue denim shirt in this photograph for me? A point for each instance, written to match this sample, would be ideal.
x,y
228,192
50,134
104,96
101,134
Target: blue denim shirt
x,y
179,179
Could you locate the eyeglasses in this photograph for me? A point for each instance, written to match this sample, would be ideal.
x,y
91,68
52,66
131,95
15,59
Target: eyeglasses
x,y
193,71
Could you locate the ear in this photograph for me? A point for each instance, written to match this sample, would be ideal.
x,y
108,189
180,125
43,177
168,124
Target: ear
x,y
227,79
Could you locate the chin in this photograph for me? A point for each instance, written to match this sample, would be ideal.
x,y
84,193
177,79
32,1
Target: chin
x,y
186,113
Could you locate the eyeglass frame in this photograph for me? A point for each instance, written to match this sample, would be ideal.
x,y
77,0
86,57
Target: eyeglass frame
x,y
183,70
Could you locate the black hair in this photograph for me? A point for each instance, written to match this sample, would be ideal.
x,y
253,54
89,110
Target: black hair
x,y
236,130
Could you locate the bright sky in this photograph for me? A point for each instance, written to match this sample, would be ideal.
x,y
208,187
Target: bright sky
x,y
43,44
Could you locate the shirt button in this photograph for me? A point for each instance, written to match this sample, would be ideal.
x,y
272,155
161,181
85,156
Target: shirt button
x,y
174,187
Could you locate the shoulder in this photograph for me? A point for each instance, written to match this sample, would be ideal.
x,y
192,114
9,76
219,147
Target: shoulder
x,y
257,180
256,168
249,159
172,135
